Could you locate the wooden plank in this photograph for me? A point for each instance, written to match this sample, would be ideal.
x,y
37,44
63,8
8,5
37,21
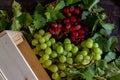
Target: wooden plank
x,y
15,64
12,63
33,61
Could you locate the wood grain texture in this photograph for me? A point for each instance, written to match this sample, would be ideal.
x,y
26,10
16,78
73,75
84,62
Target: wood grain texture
x,y
33,61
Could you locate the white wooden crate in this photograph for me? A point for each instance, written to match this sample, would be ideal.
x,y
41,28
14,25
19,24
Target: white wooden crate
x,y
16,59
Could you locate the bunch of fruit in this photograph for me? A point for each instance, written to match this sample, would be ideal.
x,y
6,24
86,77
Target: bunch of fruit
x,y
59,58
71,26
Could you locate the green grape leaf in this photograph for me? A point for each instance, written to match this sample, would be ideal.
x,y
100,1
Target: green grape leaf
x,y
110,56
117,62
103,43
39,21
84,15
69,2
89,4
116,77
112,42
39,9
89,73
52,14
25,19
60,5
16,8
4,20
108,27
112,70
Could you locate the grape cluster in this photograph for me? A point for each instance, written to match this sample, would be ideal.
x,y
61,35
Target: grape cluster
x,y
71,26
59,58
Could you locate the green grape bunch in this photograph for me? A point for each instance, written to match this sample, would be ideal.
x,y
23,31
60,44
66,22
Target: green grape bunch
x,y
60,57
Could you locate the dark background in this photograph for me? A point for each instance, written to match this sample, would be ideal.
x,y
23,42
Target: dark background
x,y
111,7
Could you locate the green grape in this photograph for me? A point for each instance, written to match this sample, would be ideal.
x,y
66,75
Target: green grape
x,y
41,53
97,57
35,51
42,40
48,34
84,53
38,47
53,68
89,43
43,46
95,45
55,75
83,44
74,49
62,58
85,62
69,54
53,54
41,60
70,60
37,36
59,43
62,66
54,46
48,50
60,49
34,42
45,57
62,74
67,41
46,38
47,63
68,47
52,40
49,43
41,32
87,57
64,52
97,50
86,49
79,58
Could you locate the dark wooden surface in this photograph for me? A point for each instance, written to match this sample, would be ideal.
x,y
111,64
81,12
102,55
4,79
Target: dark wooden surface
x,y
111,7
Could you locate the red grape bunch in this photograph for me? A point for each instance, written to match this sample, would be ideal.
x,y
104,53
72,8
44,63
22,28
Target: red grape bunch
x,y
70,26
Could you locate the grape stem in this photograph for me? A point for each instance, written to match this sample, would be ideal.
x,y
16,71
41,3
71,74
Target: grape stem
x,y
99,77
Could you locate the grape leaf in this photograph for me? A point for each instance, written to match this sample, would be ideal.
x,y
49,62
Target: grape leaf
x,y
84,15
112,70
39,9
110,56
60,5
103,43
4,20
16,8
89,4
69,2
52,14
112,42
117,62
89,73
116,77
25,19
108,27
39,21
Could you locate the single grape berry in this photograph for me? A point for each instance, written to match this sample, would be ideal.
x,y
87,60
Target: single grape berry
x,y
66,10
71,8
77,11
54,24
73,19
